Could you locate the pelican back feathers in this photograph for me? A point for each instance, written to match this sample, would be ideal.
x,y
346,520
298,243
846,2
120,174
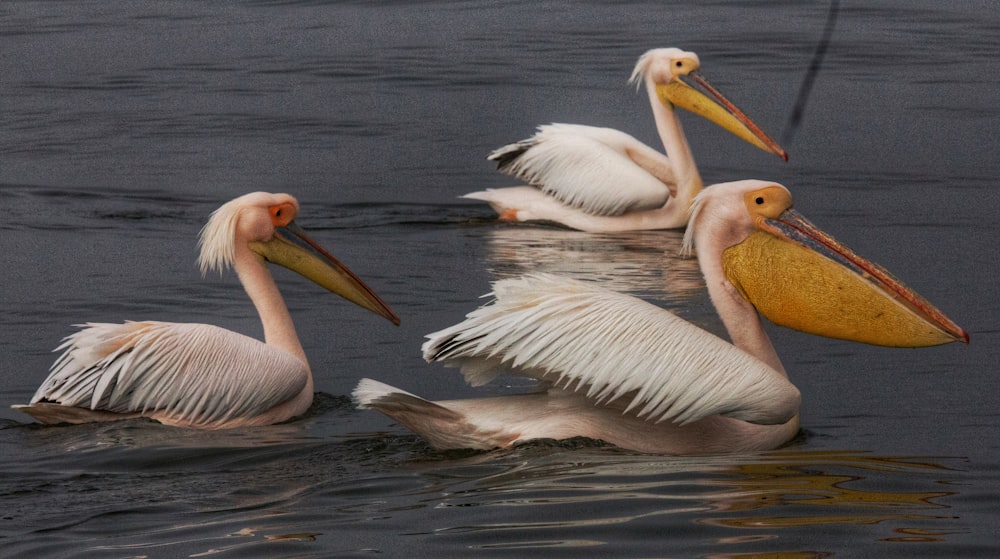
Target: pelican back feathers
x,y
612,347
192,374
589,168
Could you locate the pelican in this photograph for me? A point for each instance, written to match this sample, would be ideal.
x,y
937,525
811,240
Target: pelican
x,y
616,368
602,180
198,375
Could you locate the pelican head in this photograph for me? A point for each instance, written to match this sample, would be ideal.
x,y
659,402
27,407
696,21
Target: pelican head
x,y
663,69
265,222
802,278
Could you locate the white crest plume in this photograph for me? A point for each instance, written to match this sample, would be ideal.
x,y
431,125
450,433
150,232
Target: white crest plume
x,y
687,246
216,239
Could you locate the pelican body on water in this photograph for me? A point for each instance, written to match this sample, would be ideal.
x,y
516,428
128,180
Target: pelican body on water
x,y
615,368
199,375
600,179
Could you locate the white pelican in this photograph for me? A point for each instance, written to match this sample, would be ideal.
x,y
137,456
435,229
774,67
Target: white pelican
x,y
198,375
600,179
621,370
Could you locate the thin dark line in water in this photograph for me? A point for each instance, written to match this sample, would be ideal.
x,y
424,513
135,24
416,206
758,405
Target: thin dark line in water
x,y
807,83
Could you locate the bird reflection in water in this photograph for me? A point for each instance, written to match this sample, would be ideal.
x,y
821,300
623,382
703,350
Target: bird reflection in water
x,y
817,484
762,505
646,263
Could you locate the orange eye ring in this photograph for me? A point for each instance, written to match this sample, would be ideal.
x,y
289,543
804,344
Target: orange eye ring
x,y
767,202
282,214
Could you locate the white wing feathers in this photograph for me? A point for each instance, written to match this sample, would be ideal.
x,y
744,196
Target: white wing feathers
x,y
195,372
589,168
582,337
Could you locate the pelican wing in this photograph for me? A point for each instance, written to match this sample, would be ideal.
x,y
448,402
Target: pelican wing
x,y
592,169
612,346
195,373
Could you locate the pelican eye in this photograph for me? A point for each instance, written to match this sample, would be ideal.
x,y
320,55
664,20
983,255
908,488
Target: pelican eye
x,y
759,200
282,214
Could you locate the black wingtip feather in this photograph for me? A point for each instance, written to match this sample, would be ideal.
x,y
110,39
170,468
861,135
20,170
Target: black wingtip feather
x,y
507,155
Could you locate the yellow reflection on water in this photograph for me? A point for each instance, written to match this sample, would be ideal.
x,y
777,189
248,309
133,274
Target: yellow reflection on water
x,y
801,489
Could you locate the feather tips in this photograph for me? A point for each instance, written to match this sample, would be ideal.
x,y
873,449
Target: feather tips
x,y
612,347
194,373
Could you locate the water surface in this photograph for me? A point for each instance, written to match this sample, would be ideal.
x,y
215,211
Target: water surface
x,y
123,125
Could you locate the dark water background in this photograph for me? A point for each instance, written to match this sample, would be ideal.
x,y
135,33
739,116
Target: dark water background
x,y
124,124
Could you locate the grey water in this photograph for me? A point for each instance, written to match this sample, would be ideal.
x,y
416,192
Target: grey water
x,y
124,124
